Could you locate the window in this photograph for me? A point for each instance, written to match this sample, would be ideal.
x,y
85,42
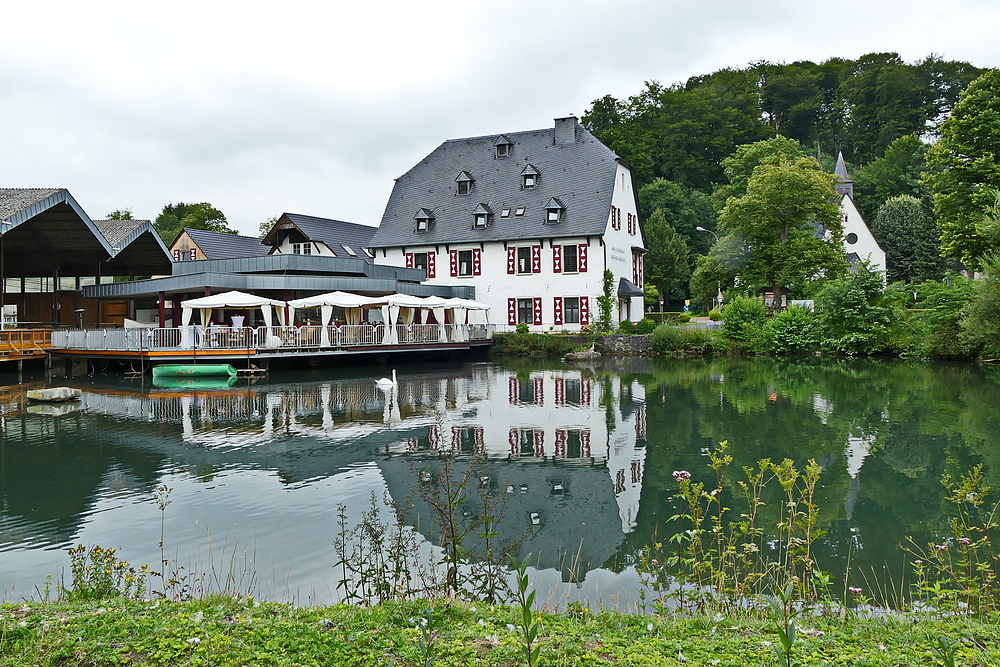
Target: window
x,y
307,248
464,262
464,181
349,250
525,311
553,215
571,310
524,259
554,211
503,150
569,258
301,248
529,177
368,252
505,213
420,260
422,224
852,238
481,219
573,392
529,181
519,211
424,218
463,187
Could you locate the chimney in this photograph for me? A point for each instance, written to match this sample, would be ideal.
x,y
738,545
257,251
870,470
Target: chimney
x,y
566,130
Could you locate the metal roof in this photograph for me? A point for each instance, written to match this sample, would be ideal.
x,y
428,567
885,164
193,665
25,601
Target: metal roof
x,y
51,234
581,174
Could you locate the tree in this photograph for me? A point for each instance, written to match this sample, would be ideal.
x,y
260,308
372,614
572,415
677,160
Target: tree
x,y
898,172
717,271
175,217
786,202
981,316
684,208
965,170
121,214
854,315
667,263
739,166
906,231
266,225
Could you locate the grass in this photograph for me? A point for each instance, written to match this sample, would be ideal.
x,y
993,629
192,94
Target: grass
x,y
240,631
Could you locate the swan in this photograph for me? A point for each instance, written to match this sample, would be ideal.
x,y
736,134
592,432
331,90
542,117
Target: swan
x,y
386,382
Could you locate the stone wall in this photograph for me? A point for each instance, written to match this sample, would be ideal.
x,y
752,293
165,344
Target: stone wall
x,y
624,344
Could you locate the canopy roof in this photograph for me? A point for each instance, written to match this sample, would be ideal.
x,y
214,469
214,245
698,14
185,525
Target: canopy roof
x,y
232,299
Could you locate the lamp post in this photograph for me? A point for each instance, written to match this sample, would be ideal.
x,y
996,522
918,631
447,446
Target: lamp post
x,y
718,298
4,226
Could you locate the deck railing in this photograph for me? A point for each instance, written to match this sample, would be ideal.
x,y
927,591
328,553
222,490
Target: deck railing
x,y
19,342
267,338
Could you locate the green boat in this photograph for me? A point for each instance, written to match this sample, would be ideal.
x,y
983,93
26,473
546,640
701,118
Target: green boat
x,y
194,370
175,382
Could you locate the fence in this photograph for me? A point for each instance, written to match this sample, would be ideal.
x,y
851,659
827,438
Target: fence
x,y
266,338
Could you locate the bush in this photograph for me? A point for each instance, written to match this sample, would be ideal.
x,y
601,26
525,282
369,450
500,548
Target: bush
x,y
626,327
522,328
792,331
645,326
669,339
935,323
519,344
714,315
854,315
683,318
741,316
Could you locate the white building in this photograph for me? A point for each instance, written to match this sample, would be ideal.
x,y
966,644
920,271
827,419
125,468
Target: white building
x,y
531,219
859,242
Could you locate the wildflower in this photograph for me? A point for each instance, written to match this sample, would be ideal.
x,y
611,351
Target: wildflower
x,y
855,589
194,640
964,540
941,547
681,475
918,562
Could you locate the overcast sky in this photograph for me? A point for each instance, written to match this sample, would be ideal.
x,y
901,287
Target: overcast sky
x,y
314,107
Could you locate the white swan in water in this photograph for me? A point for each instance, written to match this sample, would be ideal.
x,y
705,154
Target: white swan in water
x,y
386,382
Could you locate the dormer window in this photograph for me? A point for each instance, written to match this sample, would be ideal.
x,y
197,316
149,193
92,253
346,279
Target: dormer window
x,y
424,220
481,216
464,182
554,211
529,177
503,146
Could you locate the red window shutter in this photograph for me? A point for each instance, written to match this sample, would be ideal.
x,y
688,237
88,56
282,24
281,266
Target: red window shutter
x,y
511,260
557,259
512,390
538,392
177,255
454,263
513,441
642,266
477,261
581,258
193,254
585,310
618,215
613,209
409,260
431,262
512,312
536,259
585,443
480,436
560,442
560,394
456,438
539,443
537,308
557,307
635,270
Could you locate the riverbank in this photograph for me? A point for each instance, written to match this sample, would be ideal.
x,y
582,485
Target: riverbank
x,y
223,631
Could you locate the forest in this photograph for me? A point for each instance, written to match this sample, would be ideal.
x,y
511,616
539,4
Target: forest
x,y
696,147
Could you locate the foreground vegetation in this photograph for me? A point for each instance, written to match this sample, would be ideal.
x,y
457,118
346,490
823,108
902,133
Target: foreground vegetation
x,y
240,631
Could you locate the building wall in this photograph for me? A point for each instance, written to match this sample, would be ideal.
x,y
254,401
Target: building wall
x,y
496,284
315,248
182,248
865,245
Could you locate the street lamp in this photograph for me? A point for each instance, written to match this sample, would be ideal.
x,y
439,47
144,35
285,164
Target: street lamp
x,y
718,298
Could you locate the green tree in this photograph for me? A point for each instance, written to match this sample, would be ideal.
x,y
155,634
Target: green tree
x,y
965,170
739,166
667,263
981,317
855,317
266,225
786,201
717,271
175,217
898,172
121,214
906,231
685,210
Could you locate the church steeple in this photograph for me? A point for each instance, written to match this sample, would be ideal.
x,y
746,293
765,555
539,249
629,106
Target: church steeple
x,y
845,186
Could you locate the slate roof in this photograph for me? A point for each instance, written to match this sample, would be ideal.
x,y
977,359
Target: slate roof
x,y
333,233
581,175
15,200
117,230
217,245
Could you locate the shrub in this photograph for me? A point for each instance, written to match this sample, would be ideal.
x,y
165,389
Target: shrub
x,y
520,344
935,324
683,318
791,331
626,327
645,326
669,339
522,328
714,315
854,315
741,316
981,316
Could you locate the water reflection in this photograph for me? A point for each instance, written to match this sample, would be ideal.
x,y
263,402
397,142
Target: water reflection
x,y
579,459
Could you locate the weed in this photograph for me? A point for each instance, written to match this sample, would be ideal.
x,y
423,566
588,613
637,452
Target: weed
x,y
98,573
783,613
527,624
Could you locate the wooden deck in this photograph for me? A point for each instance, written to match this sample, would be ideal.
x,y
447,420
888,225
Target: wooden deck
x,y
19,344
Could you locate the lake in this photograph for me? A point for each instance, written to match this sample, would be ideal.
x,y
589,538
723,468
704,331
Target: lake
x,y
579,460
